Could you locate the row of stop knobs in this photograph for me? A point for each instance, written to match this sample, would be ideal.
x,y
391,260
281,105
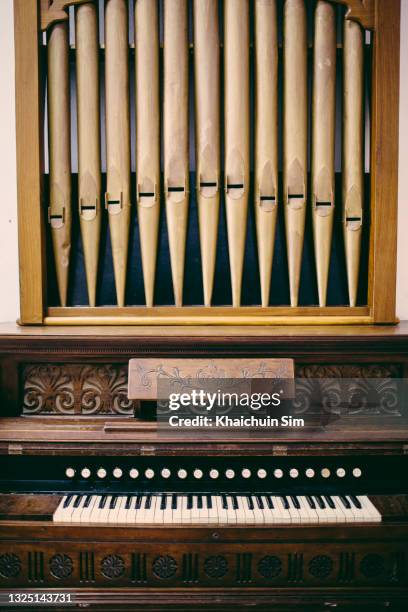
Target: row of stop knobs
x,y
181,473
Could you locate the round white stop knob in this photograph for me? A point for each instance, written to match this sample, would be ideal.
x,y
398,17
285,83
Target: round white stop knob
x,y
101,473
357,472
262,473
246,473
70,472
310,473
86,472
278,473
229,474
325,472
198,474
117,472
182,473
294,473
134,473
341,472
165,473
149,473
214,474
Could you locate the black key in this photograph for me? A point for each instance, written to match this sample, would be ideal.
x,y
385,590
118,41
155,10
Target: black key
x,y
330,502
285,502
113,502
189,502
128,502
209,502
68,501
234,502
174,502
103,501
163,503
311,502
199,502
77,501
320,501
269,501
259,502
148,503
345,502
250,502
138,504
224,502
87,501
355,501
295,502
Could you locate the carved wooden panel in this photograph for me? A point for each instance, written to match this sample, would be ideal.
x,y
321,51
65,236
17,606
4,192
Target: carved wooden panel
x,y
144,373
349,389
76,389
261,565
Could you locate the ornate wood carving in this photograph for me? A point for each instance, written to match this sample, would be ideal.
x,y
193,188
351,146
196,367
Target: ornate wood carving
x,y
270,566
56,10
76,389
372,565
61,566
362,11
10,565
144,373
349,389
216,566
113,566
164,567
321,566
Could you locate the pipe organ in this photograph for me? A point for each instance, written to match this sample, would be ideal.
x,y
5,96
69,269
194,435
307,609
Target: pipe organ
x,y
212,162
207,190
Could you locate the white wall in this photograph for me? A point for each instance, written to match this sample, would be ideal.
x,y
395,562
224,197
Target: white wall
x,y
9,292
9,298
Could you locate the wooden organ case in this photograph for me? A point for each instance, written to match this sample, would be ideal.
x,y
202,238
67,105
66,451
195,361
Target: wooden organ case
x,y
204,180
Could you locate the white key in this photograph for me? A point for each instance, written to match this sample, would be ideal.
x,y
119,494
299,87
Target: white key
x,y
57,514
284,514
240,512
258,513
178,512
348,514
307,511
132,513
231,513
269,517
203,511
114,513
185,511
66,513
213,517
222,513
168,512
140,512
87,512
76,514
103,514
372,511
276,513
159,512
150,512
363,514
294,512
195,512
357,514
247,513
123,511
326,514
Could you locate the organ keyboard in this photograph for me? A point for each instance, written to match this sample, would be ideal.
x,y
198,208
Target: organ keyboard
x,y
206,509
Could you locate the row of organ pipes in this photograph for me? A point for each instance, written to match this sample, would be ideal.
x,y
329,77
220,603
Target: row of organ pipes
x,y
117,199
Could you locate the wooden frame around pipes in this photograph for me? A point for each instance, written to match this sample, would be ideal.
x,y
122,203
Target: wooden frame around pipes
x,y
382,17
